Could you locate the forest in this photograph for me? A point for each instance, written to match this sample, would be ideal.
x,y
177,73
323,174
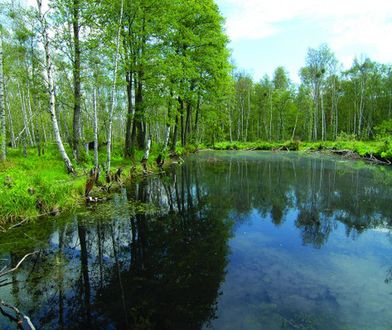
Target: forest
x,y
131,192
121,78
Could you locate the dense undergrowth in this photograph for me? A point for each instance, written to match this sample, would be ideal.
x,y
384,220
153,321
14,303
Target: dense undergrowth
x,y
35,185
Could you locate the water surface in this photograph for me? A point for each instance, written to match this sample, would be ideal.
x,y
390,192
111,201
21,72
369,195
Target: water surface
x,y
229,240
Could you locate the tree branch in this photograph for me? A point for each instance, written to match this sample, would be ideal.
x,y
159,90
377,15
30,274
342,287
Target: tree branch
x,y
18,264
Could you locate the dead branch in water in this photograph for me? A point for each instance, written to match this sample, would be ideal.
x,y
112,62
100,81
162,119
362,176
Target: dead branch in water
x,y
5,272
18,315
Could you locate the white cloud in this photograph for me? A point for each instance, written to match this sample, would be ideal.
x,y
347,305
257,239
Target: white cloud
x,y
359,24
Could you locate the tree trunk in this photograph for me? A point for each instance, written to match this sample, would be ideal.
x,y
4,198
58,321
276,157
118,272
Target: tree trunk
x,y
138,118
31,116
188,122
323,121
182,124
10,121
146,155
51,91
168,126
130,115
24,114
112,98
175,135
361,107
247,117
270,119
96,164
76,80
3,137
196,127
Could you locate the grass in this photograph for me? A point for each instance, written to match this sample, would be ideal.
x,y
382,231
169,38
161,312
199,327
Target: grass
x,y
32,185
380,149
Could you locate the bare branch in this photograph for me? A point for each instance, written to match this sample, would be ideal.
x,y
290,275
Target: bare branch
x,y
18,264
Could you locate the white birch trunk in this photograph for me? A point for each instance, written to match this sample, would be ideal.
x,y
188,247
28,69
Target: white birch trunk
x,y
147,150
10,123
361,107
30,113
3,154
95,128
51,87
112,98
270,119
24,113
323,121
167,136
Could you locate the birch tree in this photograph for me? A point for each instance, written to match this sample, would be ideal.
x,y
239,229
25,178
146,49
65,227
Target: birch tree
x,y
2,107
113,91
51,90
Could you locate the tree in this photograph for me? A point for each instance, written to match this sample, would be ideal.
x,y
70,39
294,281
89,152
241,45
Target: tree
x,y
51,90
2,106
319,64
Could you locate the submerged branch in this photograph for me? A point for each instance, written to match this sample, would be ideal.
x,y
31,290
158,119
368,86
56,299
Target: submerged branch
x,y
18,318
5,272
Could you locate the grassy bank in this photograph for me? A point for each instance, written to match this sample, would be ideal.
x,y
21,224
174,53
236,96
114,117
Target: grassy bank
x,y
372,150
31,186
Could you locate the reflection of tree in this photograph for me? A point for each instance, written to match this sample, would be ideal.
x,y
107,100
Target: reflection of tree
x,y
321,191
314,230
177,262
146,270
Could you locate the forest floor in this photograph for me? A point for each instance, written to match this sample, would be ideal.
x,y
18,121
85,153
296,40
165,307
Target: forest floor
x,y
39,185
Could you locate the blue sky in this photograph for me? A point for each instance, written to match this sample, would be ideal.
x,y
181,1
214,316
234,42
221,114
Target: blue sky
x,y
266,34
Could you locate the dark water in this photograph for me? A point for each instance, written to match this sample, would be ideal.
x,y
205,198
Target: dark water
x,y
230,240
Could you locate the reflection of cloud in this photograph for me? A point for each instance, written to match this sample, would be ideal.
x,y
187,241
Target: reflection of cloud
x,y
347,23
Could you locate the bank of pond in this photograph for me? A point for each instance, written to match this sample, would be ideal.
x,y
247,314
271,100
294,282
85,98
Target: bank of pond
x,y
32,186
227,240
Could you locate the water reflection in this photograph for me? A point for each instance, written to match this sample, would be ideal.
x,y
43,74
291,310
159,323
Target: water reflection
x,y
130,265
321,190
126,267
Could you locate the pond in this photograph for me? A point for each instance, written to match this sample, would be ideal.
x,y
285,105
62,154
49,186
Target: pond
x,y
228,240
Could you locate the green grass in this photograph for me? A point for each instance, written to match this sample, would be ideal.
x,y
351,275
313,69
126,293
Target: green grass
x,y
381,149
28,182
32,185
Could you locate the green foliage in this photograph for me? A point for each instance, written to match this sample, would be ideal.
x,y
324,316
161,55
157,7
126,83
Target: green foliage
x,y
384,129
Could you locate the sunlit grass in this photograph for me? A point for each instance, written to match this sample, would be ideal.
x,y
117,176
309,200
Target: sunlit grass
x,y
382,149
33,185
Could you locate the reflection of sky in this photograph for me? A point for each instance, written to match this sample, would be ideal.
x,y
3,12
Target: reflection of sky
x,y
272,276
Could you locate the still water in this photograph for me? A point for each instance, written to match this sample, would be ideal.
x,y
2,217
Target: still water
x,y
229,240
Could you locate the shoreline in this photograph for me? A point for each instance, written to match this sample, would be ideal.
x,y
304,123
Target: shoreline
x,y
30,190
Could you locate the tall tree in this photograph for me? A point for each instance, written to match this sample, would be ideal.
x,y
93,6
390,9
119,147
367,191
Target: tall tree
x,y
76,79
2,105
113,91
51,90
318,67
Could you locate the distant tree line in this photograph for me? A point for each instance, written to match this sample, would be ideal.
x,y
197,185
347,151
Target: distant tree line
x,y
328,103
